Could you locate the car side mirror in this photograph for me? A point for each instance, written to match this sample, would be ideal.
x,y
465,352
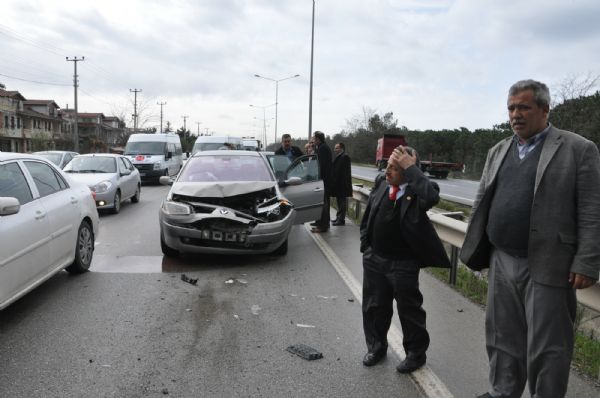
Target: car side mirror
x,y
165,180
9,205
125,173
293,181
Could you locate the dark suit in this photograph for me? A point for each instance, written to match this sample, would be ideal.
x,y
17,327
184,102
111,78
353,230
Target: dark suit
x,y
341,177
531,305
296,152
324,159
386,277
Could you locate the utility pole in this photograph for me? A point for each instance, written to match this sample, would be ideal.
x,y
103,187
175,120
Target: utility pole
x,y
161,114
135,115
206,128
198,123
75,85
184,119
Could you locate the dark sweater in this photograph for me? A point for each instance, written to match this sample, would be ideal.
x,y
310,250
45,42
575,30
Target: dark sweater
x,y
386,238
510,210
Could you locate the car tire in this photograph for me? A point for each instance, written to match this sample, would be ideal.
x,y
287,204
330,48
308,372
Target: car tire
x,y
117,202
136,197
282,250
167,250
84,249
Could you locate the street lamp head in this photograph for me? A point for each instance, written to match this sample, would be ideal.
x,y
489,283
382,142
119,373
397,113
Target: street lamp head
x,y
255,75
297,75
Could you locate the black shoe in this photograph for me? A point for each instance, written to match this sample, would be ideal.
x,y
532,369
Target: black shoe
x,y
372,358
314,224
410,364
338,223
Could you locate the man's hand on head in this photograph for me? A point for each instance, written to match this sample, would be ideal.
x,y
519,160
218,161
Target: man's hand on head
x,y
401,158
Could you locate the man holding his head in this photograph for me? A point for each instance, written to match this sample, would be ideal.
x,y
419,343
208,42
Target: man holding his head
x,y
397,239
535,224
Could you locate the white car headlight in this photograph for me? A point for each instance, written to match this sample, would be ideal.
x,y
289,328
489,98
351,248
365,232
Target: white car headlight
x,y
157,166
102,187
176,208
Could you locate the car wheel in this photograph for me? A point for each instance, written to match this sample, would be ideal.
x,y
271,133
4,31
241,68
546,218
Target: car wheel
x,y
167,250
117,202
136,198
84,249
282,250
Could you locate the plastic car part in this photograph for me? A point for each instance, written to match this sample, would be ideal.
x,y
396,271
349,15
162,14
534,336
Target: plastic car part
x,y
305,352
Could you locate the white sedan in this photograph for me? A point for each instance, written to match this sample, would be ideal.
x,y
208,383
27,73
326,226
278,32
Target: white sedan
x,y
47,223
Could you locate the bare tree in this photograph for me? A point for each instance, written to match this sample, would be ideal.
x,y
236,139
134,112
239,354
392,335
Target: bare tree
x,y
574,86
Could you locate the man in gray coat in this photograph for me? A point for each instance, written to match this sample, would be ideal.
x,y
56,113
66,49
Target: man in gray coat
x,y
535,223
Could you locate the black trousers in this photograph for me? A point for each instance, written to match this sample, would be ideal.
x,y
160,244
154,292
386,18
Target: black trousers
x,y
386,280
342,208
324,221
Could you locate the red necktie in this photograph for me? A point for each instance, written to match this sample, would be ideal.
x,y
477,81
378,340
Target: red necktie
x,y
393,191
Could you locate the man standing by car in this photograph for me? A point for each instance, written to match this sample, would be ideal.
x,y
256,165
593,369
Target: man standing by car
x,y
287,149
397,239
324,157
342,182
535,223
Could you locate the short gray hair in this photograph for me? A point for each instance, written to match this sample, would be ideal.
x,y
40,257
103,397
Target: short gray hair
x,y
541,93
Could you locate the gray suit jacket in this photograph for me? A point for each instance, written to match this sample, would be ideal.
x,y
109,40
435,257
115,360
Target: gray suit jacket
x,y
565,215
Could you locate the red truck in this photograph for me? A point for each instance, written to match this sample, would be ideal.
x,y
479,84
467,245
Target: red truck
x,y
388,142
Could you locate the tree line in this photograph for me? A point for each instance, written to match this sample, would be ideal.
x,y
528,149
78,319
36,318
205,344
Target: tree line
x,y
580,115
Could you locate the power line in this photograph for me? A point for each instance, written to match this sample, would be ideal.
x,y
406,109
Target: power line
x,y
5,30
34,81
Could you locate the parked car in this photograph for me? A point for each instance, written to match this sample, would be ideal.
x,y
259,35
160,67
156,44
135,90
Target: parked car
x,y
59,158
229,202
47,223
112,177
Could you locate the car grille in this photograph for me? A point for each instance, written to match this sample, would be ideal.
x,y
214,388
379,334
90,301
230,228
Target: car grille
x,y
144,167
223,244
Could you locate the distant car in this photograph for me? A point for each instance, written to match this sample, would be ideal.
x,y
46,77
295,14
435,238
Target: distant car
x,y
112,177
59,158
47,223
229,202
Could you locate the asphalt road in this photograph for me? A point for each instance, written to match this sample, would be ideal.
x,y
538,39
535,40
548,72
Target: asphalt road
x,y
455,190
133,328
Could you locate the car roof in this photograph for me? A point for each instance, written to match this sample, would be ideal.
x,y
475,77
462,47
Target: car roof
x,y
111,155
35,153
15,155
226,152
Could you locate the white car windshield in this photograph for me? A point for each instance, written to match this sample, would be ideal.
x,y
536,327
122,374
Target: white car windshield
x,y
225,168
145,148
92,164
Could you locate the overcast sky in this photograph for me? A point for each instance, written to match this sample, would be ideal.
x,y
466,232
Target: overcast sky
x,y
434,63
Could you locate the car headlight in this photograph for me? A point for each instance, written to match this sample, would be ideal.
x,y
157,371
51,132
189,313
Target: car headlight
x,y
102,187
176,208
157,166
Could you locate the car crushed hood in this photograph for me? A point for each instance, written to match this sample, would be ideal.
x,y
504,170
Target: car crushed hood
x,y
90,179
219,189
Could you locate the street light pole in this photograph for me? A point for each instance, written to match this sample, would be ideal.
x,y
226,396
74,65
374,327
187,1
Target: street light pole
x,y
161,114
264,120
276,93
312,50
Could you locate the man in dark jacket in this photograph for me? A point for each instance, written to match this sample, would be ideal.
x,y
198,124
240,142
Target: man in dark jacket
x,y
397,239
341,182
287,149
324,159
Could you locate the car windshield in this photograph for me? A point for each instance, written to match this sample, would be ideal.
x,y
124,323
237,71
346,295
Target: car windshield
x,y
92,164
53,157
225,168
209,146
145,148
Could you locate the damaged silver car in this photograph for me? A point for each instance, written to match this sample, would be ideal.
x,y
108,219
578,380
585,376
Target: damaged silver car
x,y
230,202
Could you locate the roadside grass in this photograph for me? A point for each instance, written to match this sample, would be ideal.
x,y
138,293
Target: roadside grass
x,y
450,206
586,353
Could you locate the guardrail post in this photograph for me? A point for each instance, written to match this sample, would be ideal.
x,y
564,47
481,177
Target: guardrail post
x,y
454,263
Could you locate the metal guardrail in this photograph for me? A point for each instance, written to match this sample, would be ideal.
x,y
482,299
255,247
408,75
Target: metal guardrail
x,y
453,231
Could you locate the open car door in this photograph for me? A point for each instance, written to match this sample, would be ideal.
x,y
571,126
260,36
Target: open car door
x,y
306,194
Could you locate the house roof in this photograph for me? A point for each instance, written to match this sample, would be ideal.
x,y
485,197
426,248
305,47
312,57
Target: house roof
x,y
11,94
40,102
31,113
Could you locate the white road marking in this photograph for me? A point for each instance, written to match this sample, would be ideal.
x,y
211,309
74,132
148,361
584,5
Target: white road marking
x,y
424,378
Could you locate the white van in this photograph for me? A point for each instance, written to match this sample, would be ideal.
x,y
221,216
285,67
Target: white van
x,y
155,155
213,143
251,144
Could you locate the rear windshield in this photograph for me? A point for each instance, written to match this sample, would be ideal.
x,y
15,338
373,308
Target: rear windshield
x,y
92,164
53,157
209,146
225,168
145,148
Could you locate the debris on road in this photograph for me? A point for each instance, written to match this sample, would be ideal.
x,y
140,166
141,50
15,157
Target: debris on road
x,y
327,297
236,316
351,300
255,309
189,280
229,281
165,391
303,325
460,310
305,352
242,281
188,309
